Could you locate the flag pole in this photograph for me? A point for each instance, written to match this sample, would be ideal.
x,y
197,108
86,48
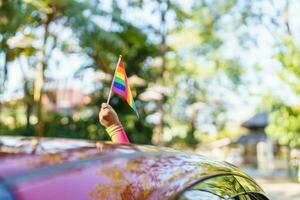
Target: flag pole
x,y
110,91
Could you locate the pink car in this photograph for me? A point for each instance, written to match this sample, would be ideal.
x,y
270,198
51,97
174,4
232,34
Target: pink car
x,y
63,169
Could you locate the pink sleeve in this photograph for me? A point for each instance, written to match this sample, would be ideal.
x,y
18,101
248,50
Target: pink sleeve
x,y
117,134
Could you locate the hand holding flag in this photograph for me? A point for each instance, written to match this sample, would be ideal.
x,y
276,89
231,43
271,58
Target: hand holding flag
x,y
120,85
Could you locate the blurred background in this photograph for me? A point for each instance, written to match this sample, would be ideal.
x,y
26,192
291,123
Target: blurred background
x,y
217,77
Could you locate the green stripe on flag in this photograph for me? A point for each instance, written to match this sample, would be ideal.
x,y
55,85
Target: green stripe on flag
x,y
118,80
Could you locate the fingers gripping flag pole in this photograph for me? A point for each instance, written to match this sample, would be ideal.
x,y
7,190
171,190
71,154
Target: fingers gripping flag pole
x,y
120,85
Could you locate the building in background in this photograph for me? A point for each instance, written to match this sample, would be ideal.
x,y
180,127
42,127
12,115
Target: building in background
x,y
258,148
64,99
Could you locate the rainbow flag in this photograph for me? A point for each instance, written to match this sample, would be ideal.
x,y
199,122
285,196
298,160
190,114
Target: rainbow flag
x,y
120,85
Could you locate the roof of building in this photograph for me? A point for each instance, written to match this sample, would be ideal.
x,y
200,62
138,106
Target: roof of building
x,y
252,138
259,120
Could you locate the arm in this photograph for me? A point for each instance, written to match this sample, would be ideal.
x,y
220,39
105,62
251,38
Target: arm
x,y
109,119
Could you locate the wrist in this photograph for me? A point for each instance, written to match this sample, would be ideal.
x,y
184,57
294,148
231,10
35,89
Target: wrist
x,y
114,128
116,123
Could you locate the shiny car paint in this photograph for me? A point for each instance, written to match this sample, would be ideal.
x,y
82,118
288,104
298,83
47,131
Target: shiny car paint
x,y
32,169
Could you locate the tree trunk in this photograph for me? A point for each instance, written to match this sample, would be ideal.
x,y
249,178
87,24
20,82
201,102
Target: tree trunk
x,y
28,102
299,171
288,157
163,49
160,126
190,139
2,88
39,81
286,17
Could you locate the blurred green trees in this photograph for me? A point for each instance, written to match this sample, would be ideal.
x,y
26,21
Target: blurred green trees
x,y
284,124
183,64
39,20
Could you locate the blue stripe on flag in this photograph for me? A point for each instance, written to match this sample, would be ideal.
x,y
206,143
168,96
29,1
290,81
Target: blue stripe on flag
x,y
119,86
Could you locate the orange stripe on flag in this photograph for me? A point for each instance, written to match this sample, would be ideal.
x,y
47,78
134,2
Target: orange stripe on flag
x,y
121,70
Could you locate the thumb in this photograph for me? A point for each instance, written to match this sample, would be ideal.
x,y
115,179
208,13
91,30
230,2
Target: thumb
x,y
105,105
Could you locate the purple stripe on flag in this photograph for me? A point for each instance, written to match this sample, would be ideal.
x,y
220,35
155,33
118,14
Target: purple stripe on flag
x,y
118,91
119,86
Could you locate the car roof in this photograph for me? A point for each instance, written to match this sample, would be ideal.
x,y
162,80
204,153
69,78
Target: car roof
x,y
25,163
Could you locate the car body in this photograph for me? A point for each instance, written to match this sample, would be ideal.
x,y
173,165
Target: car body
x,y
48,168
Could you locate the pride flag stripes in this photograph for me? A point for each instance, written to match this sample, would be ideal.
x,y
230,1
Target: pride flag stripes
x,y
120,85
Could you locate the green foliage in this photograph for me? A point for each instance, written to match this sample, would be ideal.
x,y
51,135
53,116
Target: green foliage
x,y
190,58
199,66
288,56
10,18
100,43
62,125
284,125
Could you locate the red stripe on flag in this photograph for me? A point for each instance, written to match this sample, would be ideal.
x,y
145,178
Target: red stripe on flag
x,y
121,65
